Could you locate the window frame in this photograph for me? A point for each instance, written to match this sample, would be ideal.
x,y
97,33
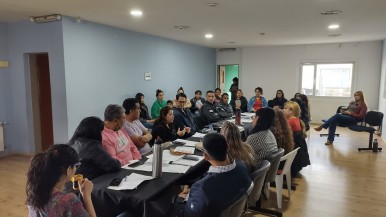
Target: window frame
x,y
315,63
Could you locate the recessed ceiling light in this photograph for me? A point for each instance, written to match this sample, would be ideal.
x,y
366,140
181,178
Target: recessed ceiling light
x,y
334,26
208,36
331,12
231,42
334,35
181,27
212,4
136,13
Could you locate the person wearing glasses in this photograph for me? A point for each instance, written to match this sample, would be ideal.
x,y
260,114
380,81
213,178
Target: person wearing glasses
x,y
46,178
182,116
355,112
188,104
115,140
87,142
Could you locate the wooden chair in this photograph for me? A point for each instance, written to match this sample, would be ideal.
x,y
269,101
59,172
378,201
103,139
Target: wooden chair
x,y
372,119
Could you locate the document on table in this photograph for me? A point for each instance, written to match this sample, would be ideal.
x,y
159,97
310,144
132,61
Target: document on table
x,y
248,115
187,142
199,135
186,162
130,182
166,157
166,167
184,149
245,120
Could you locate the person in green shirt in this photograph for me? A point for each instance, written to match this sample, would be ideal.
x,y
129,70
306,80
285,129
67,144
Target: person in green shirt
x,y
158,104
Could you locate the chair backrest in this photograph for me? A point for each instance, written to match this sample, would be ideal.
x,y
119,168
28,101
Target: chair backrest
x,y
258,180
236,209
374,118
275,161
289,158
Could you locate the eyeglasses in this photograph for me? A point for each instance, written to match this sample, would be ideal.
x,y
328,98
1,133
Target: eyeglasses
x,y
77,165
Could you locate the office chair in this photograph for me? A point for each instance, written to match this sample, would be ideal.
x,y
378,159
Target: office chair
x,y
372,119
236,209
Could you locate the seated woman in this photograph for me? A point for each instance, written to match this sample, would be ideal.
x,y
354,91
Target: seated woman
x,y
239,102
87,142
282,132
278,101
158,104
144,116
164,129
187,104
197,102
258,101
355,112
46,178
262,139
237,149
302,159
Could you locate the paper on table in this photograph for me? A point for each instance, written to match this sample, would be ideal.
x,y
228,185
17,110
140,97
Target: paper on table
x,y
187,142
166,156
244,120
185,149
247,114
199,135
186,162
130,182
166,167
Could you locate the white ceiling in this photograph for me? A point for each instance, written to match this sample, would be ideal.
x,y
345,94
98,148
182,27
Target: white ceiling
x,y
239,21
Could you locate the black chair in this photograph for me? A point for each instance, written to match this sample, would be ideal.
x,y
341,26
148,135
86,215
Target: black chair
x,y
258,178
269,178
372,119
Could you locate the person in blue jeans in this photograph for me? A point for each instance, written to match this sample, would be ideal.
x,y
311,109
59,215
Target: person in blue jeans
x,y
355,112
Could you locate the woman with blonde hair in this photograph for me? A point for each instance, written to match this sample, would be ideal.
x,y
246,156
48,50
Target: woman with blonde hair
x,y
237,149
355,112
282,131
292,113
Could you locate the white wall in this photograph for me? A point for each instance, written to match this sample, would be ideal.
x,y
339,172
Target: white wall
x,y
277,67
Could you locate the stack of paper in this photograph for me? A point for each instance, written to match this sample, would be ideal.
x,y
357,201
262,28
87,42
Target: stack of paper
x,y
130,182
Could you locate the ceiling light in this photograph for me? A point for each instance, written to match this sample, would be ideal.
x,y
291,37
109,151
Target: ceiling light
x,y
212,4
136,13
334,35
331,12
232,42
208,36
46,18
181,27
334,26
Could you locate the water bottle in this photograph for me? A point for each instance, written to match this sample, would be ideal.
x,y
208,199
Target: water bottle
x,y
375,145
157,158
238,117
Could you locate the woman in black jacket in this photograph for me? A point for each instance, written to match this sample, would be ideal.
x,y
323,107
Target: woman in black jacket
x,y
87,142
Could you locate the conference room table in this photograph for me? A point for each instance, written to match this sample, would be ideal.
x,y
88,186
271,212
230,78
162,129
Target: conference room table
x,y
152,198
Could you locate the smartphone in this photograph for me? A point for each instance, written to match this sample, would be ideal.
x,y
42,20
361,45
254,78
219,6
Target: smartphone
x,y
135,164
115,182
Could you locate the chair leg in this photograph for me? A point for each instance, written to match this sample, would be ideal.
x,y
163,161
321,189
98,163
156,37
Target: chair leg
x,y
370,148
279,189
266,190
288,178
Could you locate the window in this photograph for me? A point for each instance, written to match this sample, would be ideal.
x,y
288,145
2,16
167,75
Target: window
x,y
327,79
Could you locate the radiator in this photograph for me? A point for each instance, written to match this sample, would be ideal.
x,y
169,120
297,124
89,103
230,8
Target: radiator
x,y
2,144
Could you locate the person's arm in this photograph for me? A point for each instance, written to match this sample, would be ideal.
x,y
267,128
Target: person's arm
x,y
196,204
362,112
264,102
109,147
244,104
103,160
85,187
155,110
134,150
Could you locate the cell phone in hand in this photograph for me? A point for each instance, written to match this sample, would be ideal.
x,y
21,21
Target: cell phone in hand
x,y
116,182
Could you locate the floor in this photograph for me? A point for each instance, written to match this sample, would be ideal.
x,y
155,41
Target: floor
x,y
340,182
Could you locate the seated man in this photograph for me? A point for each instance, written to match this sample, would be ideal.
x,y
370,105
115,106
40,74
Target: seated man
x,y
224,184
226,107
183,117
133,126
210,110
115,141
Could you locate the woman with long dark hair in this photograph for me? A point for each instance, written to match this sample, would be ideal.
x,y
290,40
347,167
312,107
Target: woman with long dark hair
x,y
262,139
46,178
87,142
164,129
144,116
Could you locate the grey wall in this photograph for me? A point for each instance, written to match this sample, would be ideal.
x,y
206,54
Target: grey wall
x,y
105,65
26,37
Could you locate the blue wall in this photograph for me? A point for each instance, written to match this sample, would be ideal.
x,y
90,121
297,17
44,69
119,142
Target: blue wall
x,y
105,65
91,65
26,37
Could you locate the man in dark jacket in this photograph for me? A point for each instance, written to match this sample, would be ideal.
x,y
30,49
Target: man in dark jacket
x,y
210,111
183,117
220,187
